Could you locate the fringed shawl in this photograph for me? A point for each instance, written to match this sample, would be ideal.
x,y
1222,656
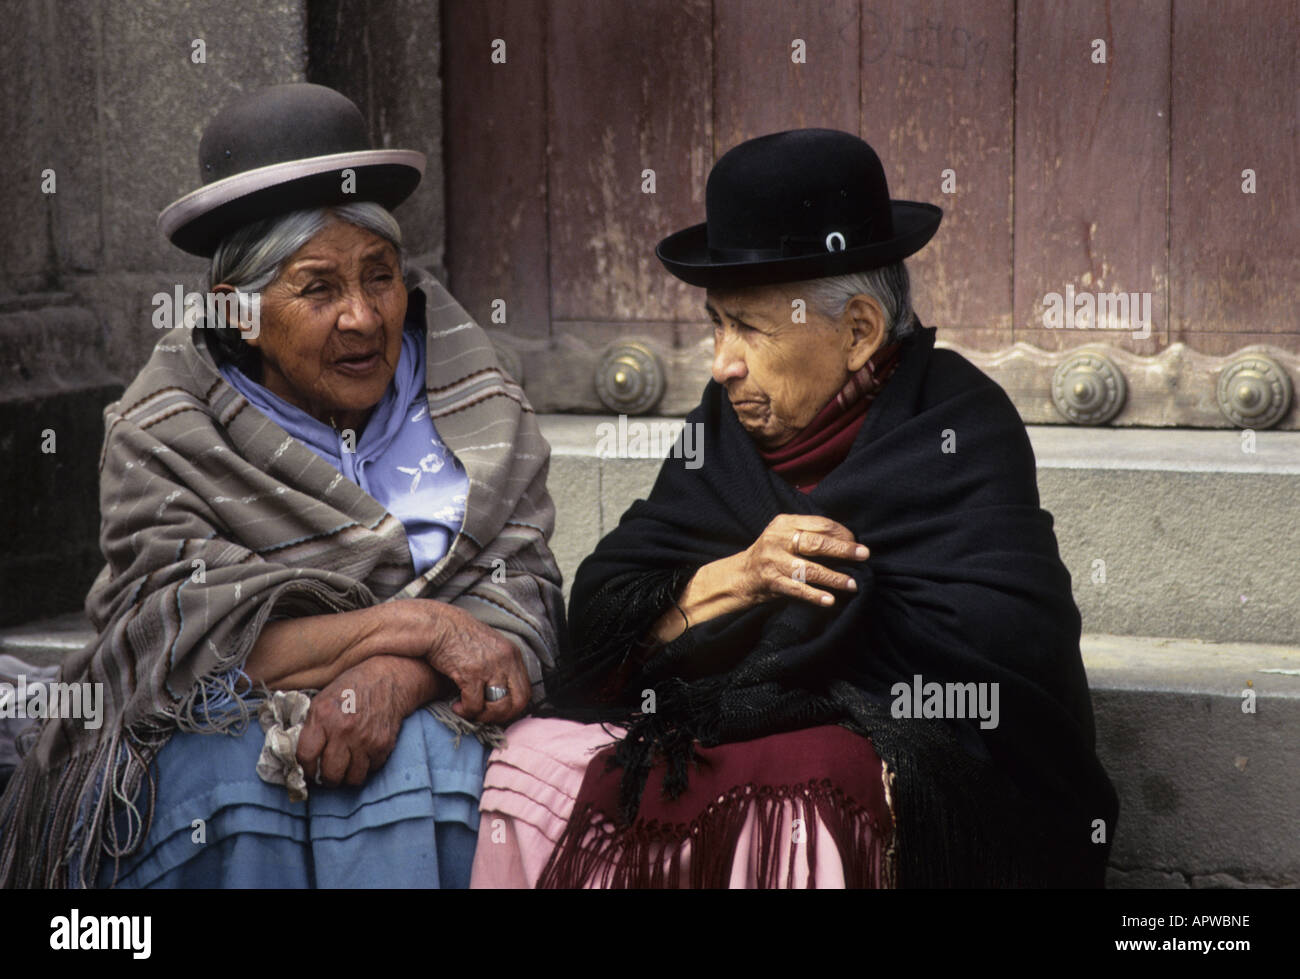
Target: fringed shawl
x,y
213,518
964,585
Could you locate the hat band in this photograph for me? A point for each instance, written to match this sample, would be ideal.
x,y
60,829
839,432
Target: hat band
x,y
798,246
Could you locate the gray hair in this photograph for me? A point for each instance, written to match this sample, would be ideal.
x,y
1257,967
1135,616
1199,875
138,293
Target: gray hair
x,y
890,286
250,259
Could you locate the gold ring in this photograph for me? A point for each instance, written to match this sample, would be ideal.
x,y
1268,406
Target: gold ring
x,y
794,541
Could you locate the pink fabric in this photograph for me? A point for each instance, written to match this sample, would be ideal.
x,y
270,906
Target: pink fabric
x,y
528,795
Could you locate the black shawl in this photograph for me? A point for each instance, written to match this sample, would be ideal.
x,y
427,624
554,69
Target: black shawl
x,y
964,584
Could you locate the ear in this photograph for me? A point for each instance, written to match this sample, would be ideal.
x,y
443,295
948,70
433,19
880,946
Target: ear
x,y
247,316
865,321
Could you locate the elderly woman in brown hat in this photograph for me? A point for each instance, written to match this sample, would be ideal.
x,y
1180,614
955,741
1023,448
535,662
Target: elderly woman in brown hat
x,y
324,509
843,651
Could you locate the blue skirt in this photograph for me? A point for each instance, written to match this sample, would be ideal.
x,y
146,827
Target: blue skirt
x,y
413,824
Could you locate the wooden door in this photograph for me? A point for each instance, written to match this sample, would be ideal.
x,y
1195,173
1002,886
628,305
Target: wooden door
x,y
1136,148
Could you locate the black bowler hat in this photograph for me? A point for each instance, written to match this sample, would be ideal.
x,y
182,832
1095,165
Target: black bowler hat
x,y
282,149
796,205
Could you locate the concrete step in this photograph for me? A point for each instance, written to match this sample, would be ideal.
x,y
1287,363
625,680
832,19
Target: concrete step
x,y
1167,532
45,642
1202,742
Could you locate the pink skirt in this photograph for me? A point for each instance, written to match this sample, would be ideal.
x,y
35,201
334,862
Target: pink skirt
x,y
530,788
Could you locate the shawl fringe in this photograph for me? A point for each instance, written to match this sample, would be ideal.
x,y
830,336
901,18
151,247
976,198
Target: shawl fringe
x,y
594,851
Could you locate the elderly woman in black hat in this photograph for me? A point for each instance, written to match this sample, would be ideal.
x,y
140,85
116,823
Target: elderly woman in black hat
x,y
324,509
844,650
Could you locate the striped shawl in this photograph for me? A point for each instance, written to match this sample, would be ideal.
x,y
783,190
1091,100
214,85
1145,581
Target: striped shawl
x,y
191,472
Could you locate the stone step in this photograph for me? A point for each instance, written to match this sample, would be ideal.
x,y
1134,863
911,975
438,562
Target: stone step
x,y
45,642
1168,532
1201,741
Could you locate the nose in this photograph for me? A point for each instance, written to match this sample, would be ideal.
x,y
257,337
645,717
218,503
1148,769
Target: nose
x,y
728,361
360,313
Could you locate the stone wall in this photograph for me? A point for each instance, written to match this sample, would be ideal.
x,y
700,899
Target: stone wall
x,y
110,96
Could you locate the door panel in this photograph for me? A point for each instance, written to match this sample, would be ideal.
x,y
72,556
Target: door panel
x,y
937,95
495,120
1236,256
1091,150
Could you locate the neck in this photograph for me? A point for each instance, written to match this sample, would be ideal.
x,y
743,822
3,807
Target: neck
x,y
341,421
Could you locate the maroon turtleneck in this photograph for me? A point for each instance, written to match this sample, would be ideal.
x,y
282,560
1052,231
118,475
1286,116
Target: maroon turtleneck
x,y
804,461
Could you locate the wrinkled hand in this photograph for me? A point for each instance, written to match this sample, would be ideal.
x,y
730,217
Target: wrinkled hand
x,y
353,723
783,562
474,655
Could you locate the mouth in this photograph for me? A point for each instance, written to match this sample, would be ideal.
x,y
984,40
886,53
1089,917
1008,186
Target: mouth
x,y
359,363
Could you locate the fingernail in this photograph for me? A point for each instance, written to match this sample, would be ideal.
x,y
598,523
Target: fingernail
x,y
861,552
827,600
853,585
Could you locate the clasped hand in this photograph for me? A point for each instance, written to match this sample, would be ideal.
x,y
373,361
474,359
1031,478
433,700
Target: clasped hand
x,y
353,723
